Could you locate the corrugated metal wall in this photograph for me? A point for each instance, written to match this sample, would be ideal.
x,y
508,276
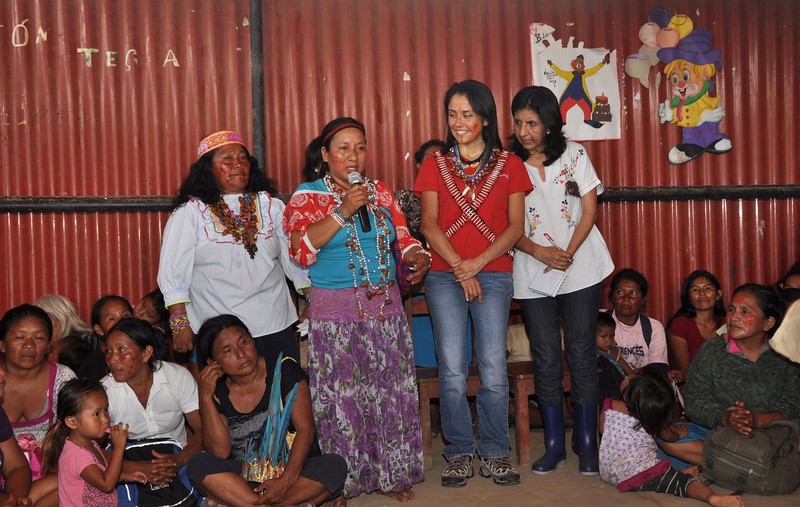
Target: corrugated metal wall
x,y
108,98
73,130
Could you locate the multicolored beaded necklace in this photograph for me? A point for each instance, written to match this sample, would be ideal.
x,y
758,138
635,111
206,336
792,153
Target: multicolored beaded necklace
x,y
471,174
244,226
358,261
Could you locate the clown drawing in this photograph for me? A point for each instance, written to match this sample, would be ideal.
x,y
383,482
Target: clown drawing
x,y
576,93
689,68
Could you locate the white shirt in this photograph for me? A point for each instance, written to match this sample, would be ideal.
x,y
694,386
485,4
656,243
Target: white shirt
x,y
548,209
173,394
215,275
630,340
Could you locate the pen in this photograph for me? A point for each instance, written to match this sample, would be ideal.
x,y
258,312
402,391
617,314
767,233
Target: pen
x,y
551,240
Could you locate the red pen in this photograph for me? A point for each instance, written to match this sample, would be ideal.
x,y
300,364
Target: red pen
x,y
551,240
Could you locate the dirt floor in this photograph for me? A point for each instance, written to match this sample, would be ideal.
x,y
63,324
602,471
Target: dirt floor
x,y
564,487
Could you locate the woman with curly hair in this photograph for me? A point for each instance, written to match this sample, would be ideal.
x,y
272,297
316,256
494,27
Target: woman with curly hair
x,y
225,251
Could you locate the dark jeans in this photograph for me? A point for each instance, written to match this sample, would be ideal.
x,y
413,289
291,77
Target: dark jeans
x,y
544,317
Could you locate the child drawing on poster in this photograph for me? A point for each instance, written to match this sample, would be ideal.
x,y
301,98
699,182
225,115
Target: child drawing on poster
x,y
576,93
584,79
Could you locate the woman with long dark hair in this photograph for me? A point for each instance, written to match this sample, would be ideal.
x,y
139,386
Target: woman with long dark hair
x,y
560,234
225,250
701,314
472,197
360,353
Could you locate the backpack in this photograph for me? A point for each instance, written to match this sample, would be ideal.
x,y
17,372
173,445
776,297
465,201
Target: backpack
x,y
765,463
178,493
647,329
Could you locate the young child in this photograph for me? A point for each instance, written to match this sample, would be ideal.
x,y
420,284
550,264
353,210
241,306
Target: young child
x,y
628,452
151,309
87,475
611,368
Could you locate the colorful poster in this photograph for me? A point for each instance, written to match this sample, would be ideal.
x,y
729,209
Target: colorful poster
x,y
584,80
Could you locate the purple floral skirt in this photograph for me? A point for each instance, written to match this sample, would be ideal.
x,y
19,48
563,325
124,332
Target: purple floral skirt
x,y
363,390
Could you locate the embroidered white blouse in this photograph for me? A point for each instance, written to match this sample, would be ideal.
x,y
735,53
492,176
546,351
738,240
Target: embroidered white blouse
x,y
214,275
549,209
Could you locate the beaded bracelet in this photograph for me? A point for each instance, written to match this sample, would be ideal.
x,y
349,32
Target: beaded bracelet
x,y
178,322
338,215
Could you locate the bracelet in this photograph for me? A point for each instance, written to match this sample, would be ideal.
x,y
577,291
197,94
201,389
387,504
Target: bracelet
x,y
338,215
178,322
428,253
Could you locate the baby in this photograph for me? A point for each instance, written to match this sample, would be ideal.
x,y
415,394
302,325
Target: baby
x,y
611,368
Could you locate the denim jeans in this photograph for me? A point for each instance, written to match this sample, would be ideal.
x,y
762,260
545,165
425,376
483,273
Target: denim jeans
x,y
449,313
544,317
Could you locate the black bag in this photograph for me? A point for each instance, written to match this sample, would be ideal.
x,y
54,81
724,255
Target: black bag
x,y
765,463
178,493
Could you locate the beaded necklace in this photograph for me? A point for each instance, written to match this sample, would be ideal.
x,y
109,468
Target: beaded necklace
x,y
471,180
244,226
358,261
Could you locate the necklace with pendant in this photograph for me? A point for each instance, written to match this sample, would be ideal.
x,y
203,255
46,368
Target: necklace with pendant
x,y
470,173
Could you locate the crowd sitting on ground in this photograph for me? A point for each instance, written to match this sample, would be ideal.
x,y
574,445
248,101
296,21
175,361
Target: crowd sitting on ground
x,y
194,360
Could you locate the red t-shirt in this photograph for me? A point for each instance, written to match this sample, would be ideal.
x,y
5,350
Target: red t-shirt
x,y
468,240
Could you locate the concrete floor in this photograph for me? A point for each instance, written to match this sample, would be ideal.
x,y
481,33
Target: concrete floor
x,y
564,487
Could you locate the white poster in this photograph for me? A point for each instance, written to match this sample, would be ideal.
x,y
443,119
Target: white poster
x,y
583,79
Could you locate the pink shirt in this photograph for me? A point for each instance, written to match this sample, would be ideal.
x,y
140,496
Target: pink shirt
x,y
72,489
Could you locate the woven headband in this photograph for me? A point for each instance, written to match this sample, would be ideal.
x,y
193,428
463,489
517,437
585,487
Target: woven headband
x,y
342,127
218,139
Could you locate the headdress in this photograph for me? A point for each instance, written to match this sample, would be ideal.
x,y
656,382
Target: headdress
x,y
218,139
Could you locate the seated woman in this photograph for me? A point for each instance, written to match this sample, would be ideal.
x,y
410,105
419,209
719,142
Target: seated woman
x,y
702,312
155,398
32,384
737,380
73,343
14,470
107,311
66,321
641,339
234,395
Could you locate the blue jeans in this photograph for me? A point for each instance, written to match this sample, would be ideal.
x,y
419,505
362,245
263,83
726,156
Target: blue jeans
x,y
544,317
449,314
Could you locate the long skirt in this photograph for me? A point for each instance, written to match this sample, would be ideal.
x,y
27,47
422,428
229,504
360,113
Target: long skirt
x,y
363,389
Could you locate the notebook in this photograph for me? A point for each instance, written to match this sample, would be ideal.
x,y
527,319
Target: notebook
x,y
547,283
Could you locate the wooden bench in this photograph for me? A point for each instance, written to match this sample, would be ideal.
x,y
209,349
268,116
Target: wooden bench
x,y
521,386
428,387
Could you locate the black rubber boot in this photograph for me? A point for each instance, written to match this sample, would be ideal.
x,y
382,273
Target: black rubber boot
x,y
554,453
586,433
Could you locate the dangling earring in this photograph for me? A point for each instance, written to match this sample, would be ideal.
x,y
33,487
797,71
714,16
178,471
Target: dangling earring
x,y
548,132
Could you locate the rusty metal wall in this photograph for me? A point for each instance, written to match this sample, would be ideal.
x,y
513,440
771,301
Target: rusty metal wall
x,y
121,128
389,63
106,97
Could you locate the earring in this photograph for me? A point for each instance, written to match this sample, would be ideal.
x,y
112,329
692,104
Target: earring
x,y
548,132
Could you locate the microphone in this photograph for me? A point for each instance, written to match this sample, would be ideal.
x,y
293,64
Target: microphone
x,y
354,178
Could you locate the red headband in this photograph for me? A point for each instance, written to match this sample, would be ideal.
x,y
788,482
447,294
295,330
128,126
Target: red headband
x,y
342,127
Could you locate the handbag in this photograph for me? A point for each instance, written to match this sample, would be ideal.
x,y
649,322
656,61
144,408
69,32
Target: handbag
x,y
765,463
403,270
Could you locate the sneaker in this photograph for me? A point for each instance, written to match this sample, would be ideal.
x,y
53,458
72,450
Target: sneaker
x,y
458,470
500,470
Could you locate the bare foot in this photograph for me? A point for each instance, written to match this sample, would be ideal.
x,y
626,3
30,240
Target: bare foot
x,y
339,501
400,496
725,501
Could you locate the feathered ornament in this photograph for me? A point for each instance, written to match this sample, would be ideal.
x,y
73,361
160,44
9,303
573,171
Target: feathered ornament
x,y
267,459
